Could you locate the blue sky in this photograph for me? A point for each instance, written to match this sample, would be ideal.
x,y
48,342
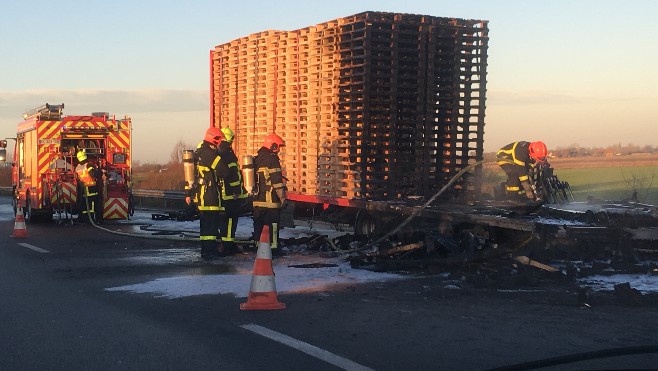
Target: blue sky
x,y
566,72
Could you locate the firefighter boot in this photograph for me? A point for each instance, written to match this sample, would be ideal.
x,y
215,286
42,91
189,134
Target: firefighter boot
x,y
209,250
228,248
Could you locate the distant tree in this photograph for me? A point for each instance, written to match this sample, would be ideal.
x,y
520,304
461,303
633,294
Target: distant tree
x,y
167,177
638,181
177,152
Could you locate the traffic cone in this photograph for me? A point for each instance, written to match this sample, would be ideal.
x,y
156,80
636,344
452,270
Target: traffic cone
x,y
19,226
262,294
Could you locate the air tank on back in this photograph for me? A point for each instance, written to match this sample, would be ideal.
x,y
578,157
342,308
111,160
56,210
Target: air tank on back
x,y
188,168
248,173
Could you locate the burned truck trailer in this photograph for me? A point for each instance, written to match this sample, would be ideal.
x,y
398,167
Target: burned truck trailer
x,y
373,107
383,117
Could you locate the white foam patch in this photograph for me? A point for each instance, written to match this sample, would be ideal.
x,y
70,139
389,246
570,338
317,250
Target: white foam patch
x,y
287,280
642,282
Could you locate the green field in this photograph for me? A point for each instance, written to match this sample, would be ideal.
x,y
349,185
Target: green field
x,y
613,183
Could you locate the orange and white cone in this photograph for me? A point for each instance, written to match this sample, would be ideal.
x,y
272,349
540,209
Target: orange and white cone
x,y
262,294
19,226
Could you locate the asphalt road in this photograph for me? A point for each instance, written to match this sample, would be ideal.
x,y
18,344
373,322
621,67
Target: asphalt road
x,y
56,314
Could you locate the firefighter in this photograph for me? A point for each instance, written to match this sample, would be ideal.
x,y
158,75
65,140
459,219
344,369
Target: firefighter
x,y
206,192
232,191
517,160
271,196
88,176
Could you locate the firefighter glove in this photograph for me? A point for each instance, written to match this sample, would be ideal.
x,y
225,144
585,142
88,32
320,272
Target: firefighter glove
x,y
529,192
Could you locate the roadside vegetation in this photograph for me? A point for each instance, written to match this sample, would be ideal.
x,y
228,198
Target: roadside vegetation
x,y
613,173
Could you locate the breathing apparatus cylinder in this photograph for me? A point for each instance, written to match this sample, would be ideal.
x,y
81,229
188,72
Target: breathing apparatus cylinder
x,y
248,173
188,168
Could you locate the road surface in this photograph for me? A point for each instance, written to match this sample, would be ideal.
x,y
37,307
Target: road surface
x,y
78,298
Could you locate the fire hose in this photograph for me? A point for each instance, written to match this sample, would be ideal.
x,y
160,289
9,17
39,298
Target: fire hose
x,y
168,238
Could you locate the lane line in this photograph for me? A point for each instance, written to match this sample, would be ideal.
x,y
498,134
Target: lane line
x,y
307,348
32,247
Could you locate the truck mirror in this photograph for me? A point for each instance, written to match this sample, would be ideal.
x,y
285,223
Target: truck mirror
x,y
3,155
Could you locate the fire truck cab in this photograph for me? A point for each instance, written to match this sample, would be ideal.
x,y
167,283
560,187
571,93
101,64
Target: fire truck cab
x,y
44,181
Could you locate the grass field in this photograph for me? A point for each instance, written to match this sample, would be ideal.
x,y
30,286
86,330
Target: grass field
x,y
613,183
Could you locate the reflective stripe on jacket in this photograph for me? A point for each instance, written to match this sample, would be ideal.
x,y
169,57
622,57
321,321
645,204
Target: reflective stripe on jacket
x,y
84,174
207,197
229,170
515,154
269,179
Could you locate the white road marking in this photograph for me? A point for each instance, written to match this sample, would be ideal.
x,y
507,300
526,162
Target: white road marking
x,y
32,247
307,348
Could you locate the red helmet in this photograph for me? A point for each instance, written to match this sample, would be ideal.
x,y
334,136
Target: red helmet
x,y
214,136
538,151
273,142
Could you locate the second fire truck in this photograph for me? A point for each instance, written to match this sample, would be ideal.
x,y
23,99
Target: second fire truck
x,y
43,175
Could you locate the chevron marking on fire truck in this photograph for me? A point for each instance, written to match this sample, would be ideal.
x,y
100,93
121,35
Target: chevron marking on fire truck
x,y
66,194
48,133
47,142
115,208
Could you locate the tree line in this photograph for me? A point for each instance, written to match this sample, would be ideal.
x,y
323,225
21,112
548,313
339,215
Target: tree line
x,y
575,150
169,176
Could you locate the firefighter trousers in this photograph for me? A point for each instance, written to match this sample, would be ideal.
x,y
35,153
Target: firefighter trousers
x,y
208,232
229,224
90,198
515,174
267,216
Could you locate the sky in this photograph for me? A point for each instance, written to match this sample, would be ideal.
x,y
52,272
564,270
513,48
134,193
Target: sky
x,y
566,72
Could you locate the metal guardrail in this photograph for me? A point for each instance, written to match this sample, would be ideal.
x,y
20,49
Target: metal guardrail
x,y
172,195
145,197
149,193
159,199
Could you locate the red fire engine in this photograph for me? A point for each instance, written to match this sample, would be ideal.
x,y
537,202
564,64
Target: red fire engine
x,y
43,174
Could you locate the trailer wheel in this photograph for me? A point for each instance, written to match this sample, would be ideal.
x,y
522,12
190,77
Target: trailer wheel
x,y
364,223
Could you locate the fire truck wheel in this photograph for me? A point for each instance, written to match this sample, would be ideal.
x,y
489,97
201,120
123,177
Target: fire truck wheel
x,y
27,209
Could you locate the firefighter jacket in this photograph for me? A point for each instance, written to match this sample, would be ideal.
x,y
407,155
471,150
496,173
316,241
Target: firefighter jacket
x,y
206,193
86,173
515,154
269,179
229,171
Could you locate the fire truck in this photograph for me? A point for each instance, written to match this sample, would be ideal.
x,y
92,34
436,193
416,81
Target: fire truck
x,y
44,181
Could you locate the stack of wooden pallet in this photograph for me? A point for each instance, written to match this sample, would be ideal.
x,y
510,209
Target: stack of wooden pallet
x,y
375,105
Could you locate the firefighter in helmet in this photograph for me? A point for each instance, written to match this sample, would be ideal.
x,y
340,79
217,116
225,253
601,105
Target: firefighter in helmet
x,y
232,192
206,192
517,159
88,175
271,196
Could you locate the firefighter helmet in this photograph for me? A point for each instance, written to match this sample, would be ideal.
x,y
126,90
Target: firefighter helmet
x,y
81,155
214,136
228,134
538,151
273,142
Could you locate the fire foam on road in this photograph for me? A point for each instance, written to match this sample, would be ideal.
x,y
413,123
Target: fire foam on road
x,y
288,280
